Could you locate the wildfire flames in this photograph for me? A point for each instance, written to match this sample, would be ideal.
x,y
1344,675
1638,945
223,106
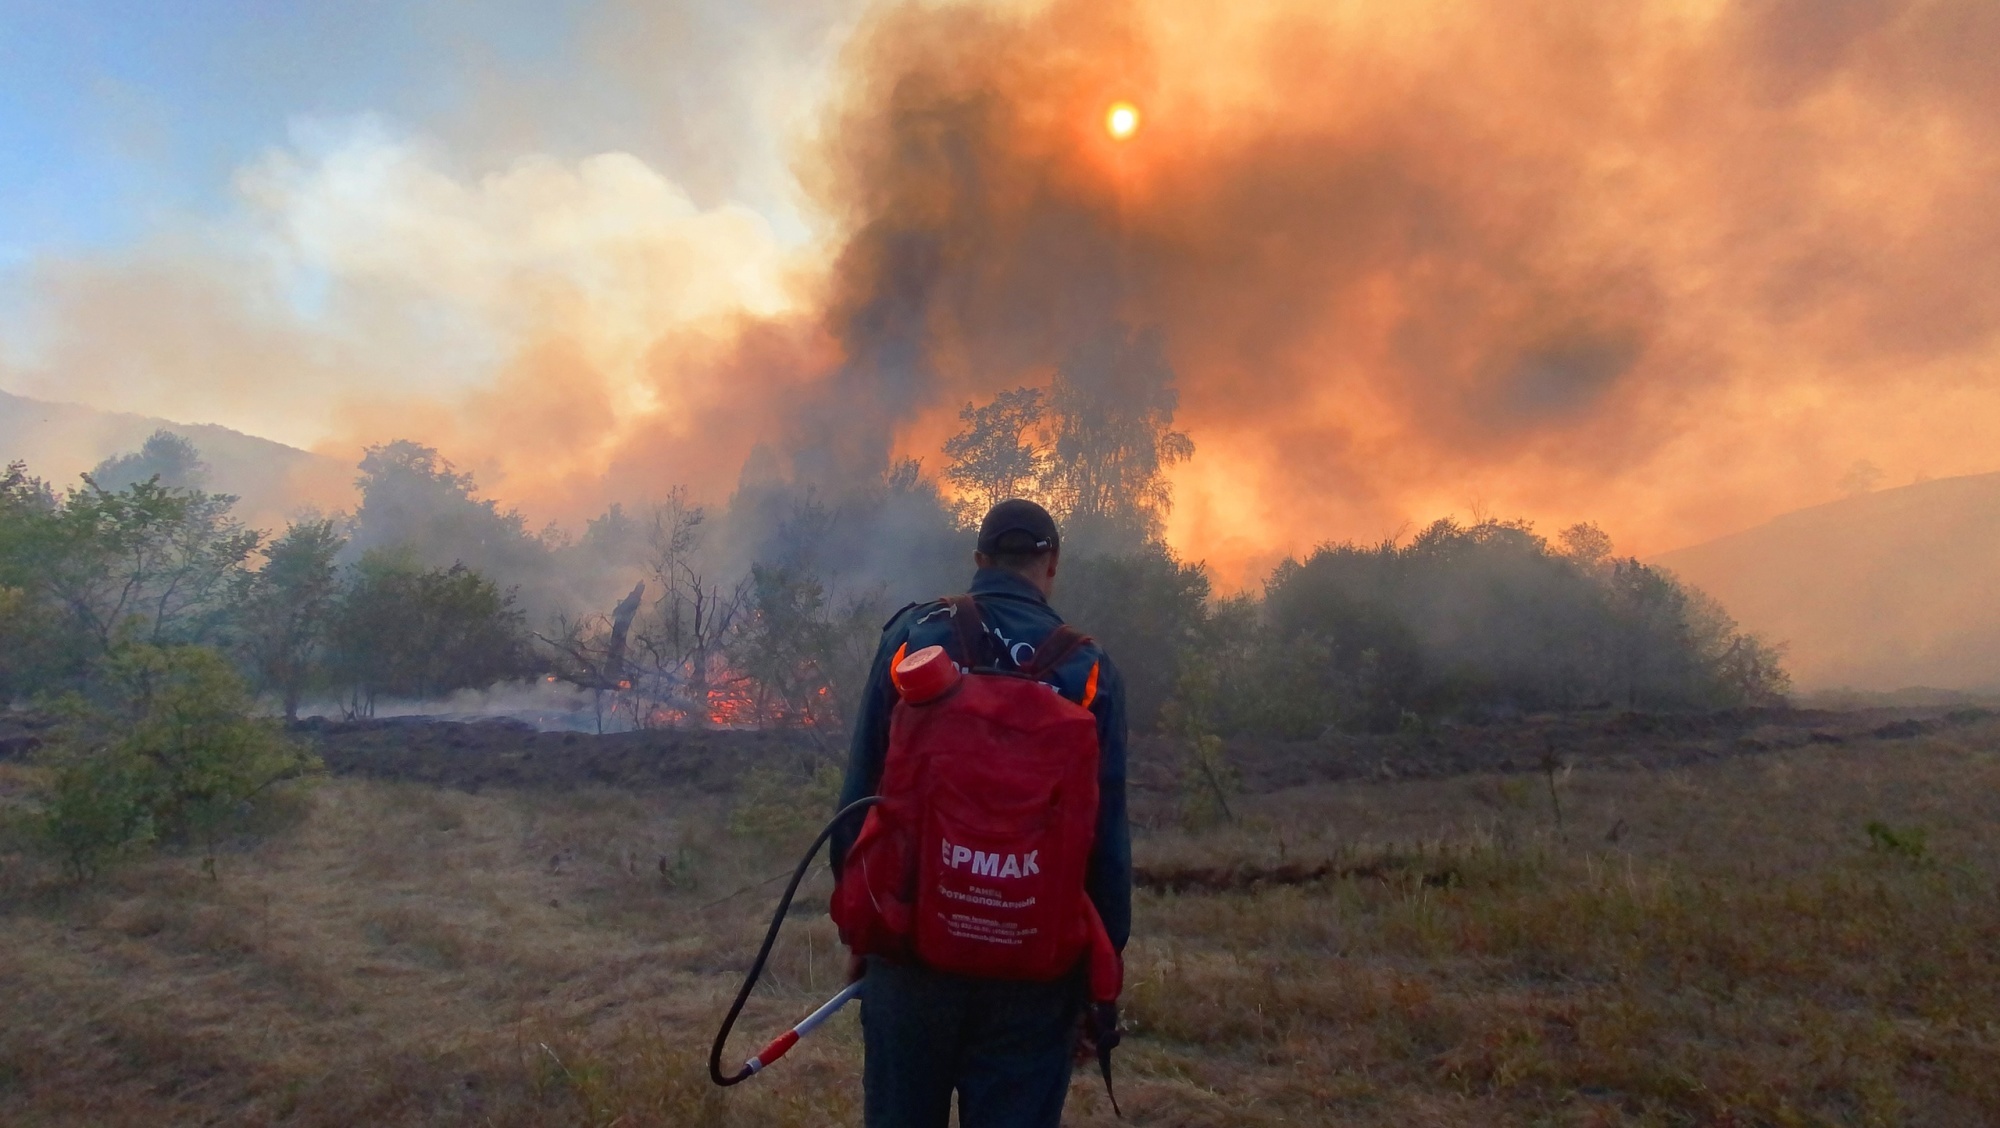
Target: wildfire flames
x,y
740,704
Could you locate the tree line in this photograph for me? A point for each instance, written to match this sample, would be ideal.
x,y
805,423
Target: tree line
x,y
1462,622
765,611
92,571
169,638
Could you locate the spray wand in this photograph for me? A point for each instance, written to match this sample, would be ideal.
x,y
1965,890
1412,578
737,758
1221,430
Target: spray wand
x,y
789,1038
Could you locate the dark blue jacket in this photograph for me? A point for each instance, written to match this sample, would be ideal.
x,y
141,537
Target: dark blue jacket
x,y
1016,613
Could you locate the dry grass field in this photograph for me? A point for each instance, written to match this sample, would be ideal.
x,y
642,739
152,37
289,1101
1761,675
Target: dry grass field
x,y
1722,943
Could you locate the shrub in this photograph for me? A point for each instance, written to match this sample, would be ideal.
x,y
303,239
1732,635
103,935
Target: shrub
x,y
1148,609
170,753
1208,779
1474,622
93,808
1911,844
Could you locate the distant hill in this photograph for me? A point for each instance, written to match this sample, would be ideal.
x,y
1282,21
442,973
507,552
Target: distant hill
x,y
1887,590
61,440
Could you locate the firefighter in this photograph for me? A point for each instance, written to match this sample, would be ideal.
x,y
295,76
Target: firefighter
x,y
1005,1047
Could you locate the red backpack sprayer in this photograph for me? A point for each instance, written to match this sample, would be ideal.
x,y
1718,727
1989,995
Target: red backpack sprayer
x,y
973,855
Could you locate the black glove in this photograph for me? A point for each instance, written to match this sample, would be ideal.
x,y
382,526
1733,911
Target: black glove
x,y
1100,1027
1096,1029
1100,1036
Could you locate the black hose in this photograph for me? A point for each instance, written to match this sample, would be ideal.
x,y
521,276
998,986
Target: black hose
x,y
771,938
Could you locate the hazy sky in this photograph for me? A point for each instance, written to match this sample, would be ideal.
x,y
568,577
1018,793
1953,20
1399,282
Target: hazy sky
x,y
1670,265
185,188
117,117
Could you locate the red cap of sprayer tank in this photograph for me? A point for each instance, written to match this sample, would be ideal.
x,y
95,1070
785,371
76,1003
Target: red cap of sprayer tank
x,y
926,675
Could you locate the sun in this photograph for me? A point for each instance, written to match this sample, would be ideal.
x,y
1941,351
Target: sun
x,y
1121,120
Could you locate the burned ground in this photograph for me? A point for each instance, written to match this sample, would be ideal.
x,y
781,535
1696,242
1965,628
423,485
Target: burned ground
x,y
506,753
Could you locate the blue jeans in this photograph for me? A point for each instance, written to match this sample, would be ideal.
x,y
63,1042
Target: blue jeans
x,y
1004,1046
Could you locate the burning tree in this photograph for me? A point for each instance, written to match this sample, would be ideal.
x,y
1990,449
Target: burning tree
x,y
591,651
694,620
666,662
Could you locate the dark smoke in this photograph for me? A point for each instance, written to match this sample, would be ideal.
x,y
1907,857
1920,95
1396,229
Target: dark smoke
x,y
1663,265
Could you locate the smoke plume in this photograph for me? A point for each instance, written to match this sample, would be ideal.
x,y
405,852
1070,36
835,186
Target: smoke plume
x,y
1670,266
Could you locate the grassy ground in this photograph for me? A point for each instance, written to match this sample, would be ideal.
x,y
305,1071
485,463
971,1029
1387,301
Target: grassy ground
x,y
1724,944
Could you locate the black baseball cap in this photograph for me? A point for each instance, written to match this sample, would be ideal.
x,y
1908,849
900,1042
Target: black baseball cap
x,y
1018,527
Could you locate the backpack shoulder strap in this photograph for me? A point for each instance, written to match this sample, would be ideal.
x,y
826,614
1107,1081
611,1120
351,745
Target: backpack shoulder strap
x,y
971,629
1061,643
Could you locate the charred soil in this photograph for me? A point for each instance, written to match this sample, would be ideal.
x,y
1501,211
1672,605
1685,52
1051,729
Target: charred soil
x,y
470,755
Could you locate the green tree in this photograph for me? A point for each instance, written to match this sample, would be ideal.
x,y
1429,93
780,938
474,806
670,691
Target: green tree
x,y
1586,545
93,806
408,631
1339,641
86,572
1655,655
1272,682
23,493
287,609
33,656
1094,447
148,563
37,650
1741,668
414,502
1482,620
171,460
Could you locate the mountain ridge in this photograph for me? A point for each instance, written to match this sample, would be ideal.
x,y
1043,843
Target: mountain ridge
x,y
273,481
1885,590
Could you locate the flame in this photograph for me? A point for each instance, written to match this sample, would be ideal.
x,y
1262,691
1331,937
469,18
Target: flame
x,y
734,701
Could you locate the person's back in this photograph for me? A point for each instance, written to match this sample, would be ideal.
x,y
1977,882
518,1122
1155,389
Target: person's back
x,y
1003,1045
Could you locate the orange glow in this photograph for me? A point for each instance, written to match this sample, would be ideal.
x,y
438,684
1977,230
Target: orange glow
x,y
1669,266
1121,121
